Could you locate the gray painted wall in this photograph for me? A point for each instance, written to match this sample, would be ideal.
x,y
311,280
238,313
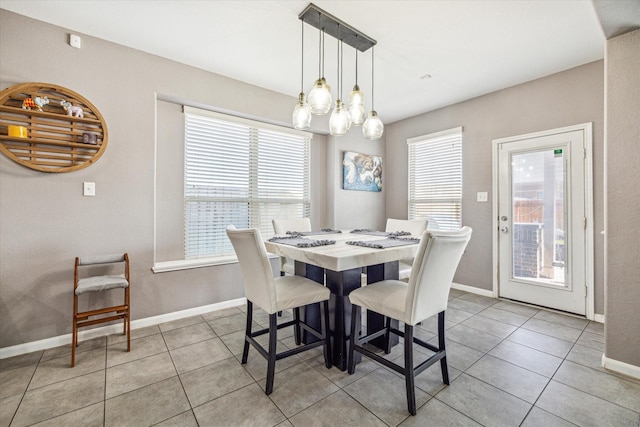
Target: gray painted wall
x,y
622,328
354,209
567,98
45,222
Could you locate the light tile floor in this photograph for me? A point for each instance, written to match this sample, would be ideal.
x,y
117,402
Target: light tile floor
x,y
509,364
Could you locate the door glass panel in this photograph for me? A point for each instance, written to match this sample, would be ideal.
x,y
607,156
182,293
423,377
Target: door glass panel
x,y
538,212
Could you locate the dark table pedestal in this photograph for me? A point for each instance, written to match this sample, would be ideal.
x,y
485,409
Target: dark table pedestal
x,y
341,283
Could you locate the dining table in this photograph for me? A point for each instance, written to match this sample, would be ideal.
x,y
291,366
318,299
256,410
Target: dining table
x,y
338,259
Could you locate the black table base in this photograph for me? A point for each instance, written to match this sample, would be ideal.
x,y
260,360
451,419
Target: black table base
x,y
341,283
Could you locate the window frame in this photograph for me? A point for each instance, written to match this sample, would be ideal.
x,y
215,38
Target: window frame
x,y
255,136
419,147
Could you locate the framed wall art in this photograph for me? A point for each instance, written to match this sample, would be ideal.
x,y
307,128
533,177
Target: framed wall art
x,y
361,172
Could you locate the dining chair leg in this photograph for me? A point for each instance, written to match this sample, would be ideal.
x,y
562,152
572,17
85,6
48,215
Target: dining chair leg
x,y
296,327
441,346
74,343
74,332
387,336
127,319
355,314
271,361
247,332
124,320
408,369
280,312
326,333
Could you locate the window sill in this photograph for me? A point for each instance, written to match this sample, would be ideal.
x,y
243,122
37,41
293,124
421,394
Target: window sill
x,y
188,264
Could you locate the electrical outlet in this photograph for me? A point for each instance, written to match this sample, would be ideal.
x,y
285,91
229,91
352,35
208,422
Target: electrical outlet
x,y
89,188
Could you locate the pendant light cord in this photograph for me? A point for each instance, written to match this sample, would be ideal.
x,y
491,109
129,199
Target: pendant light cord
x,y
339,64
372,68
320,49
356,60
322,39
302,58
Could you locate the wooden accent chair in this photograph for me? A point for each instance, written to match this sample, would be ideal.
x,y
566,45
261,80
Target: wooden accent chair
x,y
100,283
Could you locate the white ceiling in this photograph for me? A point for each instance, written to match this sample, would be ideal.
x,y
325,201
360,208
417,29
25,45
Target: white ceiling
x,y
469,47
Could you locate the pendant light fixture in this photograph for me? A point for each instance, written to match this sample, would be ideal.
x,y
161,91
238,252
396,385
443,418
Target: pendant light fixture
x,y
302,111
319,99
356,98
340,120
372,128
320,96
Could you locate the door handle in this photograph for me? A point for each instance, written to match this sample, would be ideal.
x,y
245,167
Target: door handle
x,y
504,229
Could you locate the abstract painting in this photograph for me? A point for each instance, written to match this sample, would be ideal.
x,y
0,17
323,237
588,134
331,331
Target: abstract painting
x,y
362,172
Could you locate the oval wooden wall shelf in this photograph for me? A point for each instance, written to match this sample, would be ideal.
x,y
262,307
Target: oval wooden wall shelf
x,y
54,139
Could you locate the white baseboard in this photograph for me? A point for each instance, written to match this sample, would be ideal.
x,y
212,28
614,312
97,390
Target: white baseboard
x,y
489,293
473,290
621,367
60,340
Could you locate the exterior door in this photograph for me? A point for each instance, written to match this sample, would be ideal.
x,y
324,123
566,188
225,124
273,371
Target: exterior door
x,y
542,219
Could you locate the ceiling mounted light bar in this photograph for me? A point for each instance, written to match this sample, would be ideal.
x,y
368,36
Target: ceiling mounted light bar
x,y
336,28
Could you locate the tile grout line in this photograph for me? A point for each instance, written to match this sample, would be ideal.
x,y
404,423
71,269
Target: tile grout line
x,y
506,361
310,364
551,379
532,405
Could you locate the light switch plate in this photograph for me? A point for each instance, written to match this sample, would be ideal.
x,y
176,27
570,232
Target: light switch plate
x,y
482,196
89,188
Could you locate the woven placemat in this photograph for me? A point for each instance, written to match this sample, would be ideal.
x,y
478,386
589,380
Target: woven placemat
x,y
385,243
313,233
371,232
301,242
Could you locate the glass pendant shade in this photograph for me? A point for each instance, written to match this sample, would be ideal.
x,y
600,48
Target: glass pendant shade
x,y
302,113
319,98
356,106
340,120
372,128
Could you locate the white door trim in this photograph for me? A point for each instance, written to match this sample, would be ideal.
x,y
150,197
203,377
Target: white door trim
x,y
588,197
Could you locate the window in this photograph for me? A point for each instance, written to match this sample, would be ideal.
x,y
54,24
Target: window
x,y
239,172
435,178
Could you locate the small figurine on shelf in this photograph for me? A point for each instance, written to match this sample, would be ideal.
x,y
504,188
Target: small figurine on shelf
x,y
37,102
72,110
89,138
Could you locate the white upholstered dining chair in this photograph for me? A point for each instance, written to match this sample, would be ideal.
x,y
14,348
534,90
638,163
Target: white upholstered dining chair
x,y
425,295
280,227
414,226
273,295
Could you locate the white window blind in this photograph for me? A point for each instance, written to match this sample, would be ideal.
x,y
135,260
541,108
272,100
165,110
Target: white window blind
x,y
435,178
239,172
